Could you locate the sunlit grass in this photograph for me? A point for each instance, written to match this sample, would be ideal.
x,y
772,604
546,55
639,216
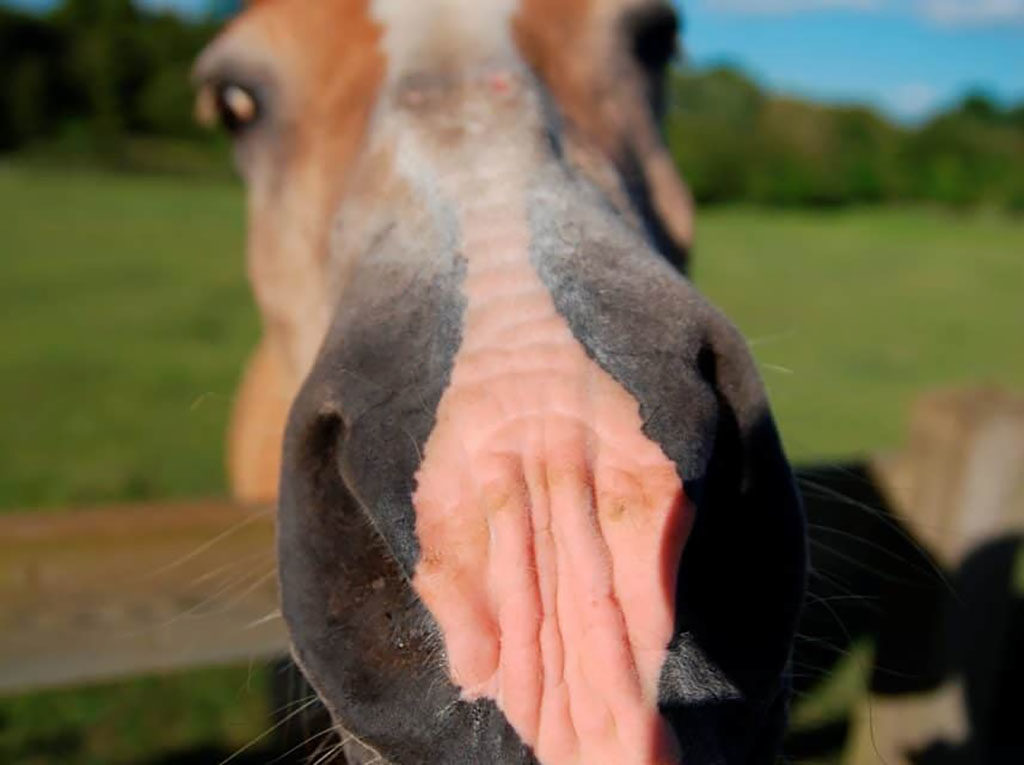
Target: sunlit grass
x,y
134,721
853,314
125,319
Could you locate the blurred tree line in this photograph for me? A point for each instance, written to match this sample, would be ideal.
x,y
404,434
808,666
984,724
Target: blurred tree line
x,y
92,72
734,141
97,74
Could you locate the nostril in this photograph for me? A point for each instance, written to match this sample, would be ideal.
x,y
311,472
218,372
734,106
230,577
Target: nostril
x,y
320,446
707,366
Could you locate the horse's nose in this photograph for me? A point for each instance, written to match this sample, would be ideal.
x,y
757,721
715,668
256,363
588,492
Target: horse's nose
x,y
534,504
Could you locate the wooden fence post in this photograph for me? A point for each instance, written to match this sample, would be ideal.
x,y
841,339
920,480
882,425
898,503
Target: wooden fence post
x,y
960,478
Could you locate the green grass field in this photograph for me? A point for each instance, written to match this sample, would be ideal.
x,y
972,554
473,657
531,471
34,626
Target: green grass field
x,y
852,314
124,318
136,721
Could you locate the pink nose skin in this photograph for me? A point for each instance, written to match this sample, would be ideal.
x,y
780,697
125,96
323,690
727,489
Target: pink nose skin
x,y
550,527
501,83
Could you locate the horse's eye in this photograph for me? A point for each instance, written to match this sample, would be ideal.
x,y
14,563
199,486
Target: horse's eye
x,y
654,32
237,108
232,106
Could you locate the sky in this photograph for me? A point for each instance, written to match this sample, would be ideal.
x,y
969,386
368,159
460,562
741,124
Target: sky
x,y
908,58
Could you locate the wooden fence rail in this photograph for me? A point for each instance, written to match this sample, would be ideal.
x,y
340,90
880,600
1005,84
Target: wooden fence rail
x,y
100,594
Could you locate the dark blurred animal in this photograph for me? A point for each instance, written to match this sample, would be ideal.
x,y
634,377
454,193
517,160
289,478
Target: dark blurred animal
x,y
920,555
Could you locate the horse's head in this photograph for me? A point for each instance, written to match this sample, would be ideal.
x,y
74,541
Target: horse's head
x,y
533,504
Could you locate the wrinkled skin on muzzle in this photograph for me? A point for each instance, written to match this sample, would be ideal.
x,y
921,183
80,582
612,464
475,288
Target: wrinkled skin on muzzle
x,y
725,556
533,505
532,494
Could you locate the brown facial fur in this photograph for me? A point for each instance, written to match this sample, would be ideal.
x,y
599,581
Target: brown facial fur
x,y
323,68
257,426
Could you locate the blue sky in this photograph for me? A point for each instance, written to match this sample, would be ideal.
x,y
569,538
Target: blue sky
x,y
907,57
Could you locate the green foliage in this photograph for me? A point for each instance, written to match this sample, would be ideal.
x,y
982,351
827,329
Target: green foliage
x,y
962,158
31,94
105,64
735,142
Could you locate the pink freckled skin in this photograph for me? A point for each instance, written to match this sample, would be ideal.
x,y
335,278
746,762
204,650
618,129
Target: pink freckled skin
x,y
550,526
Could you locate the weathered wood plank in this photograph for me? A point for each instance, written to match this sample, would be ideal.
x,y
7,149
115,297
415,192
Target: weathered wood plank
x,y
100,594
959,481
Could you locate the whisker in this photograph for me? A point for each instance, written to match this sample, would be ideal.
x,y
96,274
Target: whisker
x,y
833,580
238,752
858,563
419,454
248,590
331,752
289,704
831,493
230,566
864,670
201,606
305,742
202,398
756,341
273,615
864,541
252,518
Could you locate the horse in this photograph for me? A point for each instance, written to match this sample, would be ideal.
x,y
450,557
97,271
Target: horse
x,y
532,502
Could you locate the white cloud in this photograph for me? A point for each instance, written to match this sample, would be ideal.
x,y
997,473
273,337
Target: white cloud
x,y
912,101
972,12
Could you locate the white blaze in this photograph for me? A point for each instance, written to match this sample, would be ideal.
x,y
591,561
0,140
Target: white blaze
x,y
419,31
